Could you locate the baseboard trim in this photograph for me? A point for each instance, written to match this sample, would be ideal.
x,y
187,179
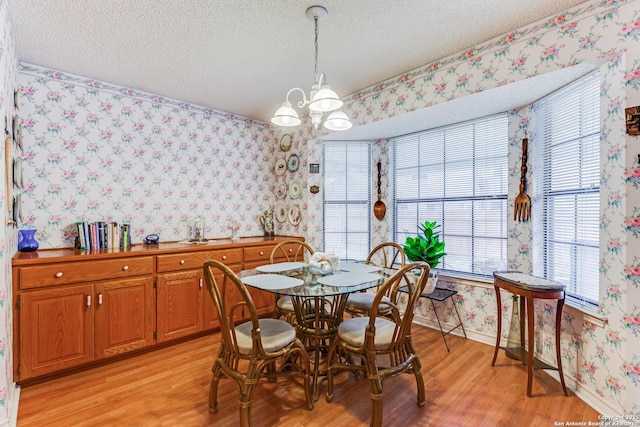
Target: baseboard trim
x,y
12,421
587,395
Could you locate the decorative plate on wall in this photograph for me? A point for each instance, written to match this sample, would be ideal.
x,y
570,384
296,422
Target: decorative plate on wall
x,y
17,173
17,131
280,167
281,213
293,163
285,142
295,188
295,215
17,208
281,190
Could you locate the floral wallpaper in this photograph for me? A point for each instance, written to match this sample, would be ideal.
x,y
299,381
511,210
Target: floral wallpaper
x,y
96,151
99,152
603,35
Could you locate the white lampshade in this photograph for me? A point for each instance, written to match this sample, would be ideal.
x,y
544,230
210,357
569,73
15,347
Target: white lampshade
x,y
337,120
325,100
286,116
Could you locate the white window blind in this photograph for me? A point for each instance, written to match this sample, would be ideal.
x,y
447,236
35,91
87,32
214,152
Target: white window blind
x,y
456,175
568,128
346,204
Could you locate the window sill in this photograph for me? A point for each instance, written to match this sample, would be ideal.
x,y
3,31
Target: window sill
x,y
589,312
465,279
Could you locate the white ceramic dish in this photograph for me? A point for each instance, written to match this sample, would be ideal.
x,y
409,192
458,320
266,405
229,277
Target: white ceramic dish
x,y
281,190
295,188
295,216
281,213
280,167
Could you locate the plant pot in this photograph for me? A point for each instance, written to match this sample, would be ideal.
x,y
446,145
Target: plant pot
x,y
431,282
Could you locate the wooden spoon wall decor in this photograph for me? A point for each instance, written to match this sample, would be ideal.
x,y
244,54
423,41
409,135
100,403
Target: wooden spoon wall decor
x,y
379,208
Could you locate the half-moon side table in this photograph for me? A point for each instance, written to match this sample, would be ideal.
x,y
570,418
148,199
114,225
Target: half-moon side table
x,y
529,288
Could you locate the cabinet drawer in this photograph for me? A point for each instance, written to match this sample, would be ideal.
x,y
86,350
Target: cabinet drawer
x,y
86,271
259,253
263,253
195,259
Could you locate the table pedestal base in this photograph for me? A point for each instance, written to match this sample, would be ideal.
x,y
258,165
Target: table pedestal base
x,y
317,321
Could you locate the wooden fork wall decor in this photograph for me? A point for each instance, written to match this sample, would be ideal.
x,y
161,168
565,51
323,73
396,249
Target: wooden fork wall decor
x,y
522,203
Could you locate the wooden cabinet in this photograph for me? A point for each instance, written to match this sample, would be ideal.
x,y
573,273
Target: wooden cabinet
x,y
65,324
180,309
184,304
124,315
74,307
57,330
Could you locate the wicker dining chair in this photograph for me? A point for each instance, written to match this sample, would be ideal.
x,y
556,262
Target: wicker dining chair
x,y
250,350
388,255
370,340
291,250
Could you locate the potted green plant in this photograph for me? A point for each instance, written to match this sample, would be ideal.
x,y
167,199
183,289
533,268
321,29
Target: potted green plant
x,y
428,248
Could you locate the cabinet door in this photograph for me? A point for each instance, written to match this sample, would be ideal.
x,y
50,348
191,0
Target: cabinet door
x,y
179,304
210,313
56,329
124,315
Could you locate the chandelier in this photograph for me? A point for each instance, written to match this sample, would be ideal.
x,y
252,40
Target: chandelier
x,y
321,98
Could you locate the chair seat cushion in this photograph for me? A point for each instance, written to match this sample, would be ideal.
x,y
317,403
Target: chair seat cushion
x,y
352,331
285,304
362,301
276,334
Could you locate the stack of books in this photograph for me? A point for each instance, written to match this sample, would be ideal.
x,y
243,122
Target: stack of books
x,y
103,235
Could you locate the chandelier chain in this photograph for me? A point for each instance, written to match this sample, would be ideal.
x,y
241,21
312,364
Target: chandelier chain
x,y
315,69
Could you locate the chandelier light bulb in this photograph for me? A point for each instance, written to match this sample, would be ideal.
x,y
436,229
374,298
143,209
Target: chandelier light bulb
x,y
337,121
286,116
325,100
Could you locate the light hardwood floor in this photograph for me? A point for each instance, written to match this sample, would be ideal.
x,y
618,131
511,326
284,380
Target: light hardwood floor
x,y
169,387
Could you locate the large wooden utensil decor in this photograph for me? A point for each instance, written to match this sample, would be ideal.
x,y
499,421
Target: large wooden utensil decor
x,y
522,203
379,208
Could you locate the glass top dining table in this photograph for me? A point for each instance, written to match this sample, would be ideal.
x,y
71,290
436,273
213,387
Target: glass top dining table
x,y
318,301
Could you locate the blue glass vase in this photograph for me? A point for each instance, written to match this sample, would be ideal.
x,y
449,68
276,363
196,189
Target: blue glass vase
x,y
27,241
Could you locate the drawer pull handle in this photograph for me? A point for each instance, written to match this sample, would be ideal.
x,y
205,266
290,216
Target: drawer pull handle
x,y
181,261
88,300
200,283
261,253
290,250
125,268
224,257
59,274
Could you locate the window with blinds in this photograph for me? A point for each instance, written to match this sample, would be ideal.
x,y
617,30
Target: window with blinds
x,y
568,130
456,175
346,204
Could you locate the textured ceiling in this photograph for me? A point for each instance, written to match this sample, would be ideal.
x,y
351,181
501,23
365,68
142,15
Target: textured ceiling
x,y
242,56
